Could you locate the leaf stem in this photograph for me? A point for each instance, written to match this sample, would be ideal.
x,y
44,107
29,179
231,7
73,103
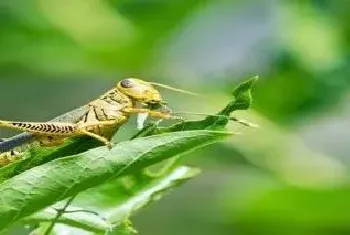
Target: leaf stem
x,y
86,211
59,214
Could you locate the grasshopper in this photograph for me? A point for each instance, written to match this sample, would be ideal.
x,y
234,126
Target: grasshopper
x,y
100,118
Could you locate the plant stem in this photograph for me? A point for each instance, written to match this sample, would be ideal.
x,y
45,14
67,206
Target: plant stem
x,y
59,214
86,211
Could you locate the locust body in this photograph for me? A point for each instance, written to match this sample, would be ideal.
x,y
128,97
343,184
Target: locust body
x,y
100,118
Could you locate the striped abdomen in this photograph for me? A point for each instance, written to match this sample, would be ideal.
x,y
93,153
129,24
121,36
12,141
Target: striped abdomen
x,y
42,128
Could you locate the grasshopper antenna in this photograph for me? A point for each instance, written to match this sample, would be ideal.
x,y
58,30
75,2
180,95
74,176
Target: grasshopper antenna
x,y
174,89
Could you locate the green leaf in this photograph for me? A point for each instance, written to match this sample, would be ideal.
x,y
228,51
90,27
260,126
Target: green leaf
x,y
44,185
116,214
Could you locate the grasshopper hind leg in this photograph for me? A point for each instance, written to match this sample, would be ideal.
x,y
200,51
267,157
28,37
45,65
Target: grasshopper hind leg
x,y
102,139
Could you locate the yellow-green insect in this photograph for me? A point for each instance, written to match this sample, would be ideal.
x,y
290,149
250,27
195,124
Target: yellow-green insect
x,y
103,116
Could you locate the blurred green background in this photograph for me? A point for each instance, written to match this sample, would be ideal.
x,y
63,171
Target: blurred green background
x,y
290,176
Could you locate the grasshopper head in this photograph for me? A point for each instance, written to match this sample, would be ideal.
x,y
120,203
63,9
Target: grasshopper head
x,y
140,91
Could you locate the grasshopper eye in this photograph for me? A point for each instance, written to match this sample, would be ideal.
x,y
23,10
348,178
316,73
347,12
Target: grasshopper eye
x,y
126,84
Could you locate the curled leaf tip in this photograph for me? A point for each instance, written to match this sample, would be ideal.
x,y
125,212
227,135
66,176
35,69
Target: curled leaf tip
x,y
245,86
243,94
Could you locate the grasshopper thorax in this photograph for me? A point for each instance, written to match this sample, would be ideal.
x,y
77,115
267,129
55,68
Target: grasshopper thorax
x,y
139,91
